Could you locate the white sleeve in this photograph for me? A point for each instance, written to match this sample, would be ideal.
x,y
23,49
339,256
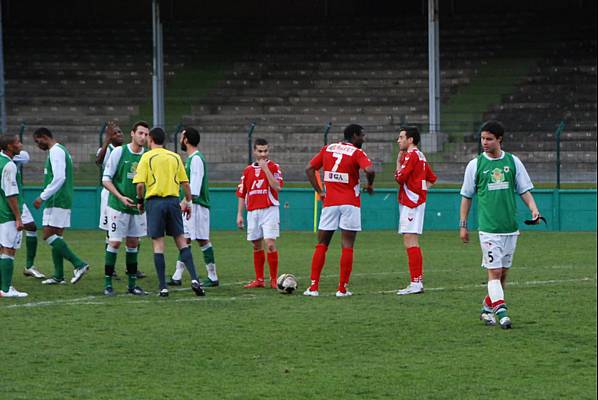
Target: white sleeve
x,y
523,183
112,164
469,189
9,180
21,158
197,173
58,163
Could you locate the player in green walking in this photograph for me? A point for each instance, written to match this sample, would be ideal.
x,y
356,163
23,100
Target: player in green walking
x,y
124,219
57,197
198,226
496,177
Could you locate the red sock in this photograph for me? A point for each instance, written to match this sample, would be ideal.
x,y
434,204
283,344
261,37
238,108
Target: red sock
x,y
317,264
259,259
415,264
346,268
273,264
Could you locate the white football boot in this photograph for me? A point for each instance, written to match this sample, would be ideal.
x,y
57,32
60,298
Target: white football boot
x,y
413,288
311,293
12,292
343,294
34,272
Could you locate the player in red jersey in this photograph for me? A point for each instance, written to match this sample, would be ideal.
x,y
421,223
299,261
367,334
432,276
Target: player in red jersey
x,y
341,163
415,177
258,193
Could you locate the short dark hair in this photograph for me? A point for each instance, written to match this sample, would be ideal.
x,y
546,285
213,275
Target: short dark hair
x,y
260,142
39,132
411,132
192,136
138,124
7,139
351,130
158,135
494,127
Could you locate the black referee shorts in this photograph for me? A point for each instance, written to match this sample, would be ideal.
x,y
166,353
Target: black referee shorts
x,y
163,216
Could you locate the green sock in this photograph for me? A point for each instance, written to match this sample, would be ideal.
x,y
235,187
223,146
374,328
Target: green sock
x,y
60,245
31,244
131,260
6,268
110,258
107,281
208,255
109,263
58,261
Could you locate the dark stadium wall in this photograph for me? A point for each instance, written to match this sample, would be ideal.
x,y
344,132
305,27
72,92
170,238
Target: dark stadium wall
x,y
82,12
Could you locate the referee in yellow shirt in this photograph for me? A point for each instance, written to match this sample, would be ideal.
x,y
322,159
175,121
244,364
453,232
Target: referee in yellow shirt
x,y
159,175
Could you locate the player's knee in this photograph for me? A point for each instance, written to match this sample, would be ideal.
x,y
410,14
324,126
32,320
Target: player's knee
x,y
115,244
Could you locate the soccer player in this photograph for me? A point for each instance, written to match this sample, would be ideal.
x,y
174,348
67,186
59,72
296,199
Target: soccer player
x,y
415,177
341,163
198,226
258,193
124,219
160,174
113,138
11,224
496,176
57,197
29,225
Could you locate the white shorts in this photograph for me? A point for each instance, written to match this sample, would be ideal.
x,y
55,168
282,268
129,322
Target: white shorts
x,y
411,220
57,217
103,224
9,236
26,216
198,226
346,217
122,225
263,223
497,250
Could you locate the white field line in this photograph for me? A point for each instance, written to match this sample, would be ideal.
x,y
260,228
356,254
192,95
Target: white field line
x,y
101,300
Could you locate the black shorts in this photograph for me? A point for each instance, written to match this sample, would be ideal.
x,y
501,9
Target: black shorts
x,y
163,216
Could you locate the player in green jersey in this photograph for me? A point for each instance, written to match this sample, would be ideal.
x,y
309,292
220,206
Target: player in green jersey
x,y
198,226
496,177
124,219
57,197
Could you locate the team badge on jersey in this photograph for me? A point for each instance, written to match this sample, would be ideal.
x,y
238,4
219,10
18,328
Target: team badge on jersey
x,y
498,180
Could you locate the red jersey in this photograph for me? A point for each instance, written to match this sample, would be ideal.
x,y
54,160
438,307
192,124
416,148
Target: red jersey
x,y
413,178
341,163
256,190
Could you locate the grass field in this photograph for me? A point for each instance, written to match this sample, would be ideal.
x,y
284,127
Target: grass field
x,y
71,342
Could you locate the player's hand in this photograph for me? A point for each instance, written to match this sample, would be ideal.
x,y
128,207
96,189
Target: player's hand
x,y
464,235
186,208
19,224
536,216
240,224
263,164
369,189
38,202
141,208
127,201
322,195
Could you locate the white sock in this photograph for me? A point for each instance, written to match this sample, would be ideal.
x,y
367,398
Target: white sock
x,y
211,268
495,290
178,271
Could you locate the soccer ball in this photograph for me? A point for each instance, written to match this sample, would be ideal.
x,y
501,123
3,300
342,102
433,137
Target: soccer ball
x,y
286,283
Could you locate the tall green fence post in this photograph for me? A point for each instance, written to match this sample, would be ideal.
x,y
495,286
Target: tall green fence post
x,y
556,199
326,130
177,130
249,140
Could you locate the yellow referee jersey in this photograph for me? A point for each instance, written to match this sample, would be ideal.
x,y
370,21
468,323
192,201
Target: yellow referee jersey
x,y
162,172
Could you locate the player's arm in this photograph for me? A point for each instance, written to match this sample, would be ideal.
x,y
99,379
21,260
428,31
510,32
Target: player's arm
x,y
370,175
196,176
140,191
310,171
11,191
240,209
463,214
529,201
273,182
405,169
58,163
101,154
524,185
468,190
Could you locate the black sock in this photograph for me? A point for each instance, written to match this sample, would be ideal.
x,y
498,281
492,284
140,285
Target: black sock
x,y
160,264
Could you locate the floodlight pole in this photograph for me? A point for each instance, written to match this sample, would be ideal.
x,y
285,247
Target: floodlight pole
x,y
433,67
158,67
3,123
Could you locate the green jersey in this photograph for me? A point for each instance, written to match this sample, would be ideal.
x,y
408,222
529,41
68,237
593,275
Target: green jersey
x,y
496,181
197,171
8,187
59,164
121,169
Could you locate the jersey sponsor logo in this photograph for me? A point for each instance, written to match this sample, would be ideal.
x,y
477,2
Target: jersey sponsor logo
x,y
498,180
338,177
257,184
341,148
132,169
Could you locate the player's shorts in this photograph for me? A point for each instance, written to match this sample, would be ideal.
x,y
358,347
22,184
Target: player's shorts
x,y
497,250
26,216
103,224
411,220
346,217
9,236
163,216
122,225
198,226
57,217
263,223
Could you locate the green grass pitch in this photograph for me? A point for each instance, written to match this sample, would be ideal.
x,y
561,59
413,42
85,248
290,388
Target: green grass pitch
x,y
71,342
